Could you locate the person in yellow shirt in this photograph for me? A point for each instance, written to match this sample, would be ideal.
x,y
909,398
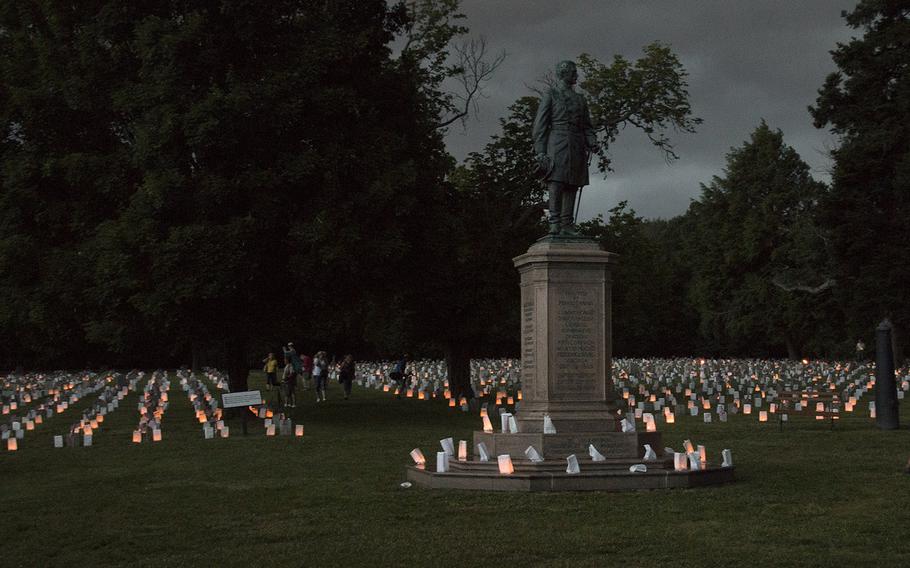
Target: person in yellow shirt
x,y
271,371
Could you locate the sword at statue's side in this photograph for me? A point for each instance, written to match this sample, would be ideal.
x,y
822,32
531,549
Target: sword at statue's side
x,y
580,189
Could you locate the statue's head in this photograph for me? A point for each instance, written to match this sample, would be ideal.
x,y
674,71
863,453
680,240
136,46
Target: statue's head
x,y
566,71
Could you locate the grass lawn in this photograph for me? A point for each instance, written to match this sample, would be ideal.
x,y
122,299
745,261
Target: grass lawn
x,y
807,496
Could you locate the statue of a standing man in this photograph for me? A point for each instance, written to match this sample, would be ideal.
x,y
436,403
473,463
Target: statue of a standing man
x,y
563,140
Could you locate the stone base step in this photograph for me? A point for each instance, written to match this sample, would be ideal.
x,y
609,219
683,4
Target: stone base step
x,y
524,465
590,480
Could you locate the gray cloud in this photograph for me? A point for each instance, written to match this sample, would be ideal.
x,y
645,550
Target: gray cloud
x,y
747,60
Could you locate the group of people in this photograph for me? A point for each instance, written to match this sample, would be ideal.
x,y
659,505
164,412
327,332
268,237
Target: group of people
x,y
400,373
306,369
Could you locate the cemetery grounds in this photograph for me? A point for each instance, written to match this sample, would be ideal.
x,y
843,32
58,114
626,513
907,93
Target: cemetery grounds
x,y
807,494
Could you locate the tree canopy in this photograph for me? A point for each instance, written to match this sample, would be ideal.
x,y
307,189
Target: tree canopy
x,y
208,172
758,259
866,104
211,179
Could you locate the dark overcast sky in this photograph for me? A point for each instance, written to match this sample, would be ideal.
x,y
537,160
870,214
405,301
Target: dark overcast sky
x,y
747,60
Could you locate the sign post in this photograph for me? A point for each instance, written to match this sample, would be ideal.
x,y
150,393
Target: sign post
x,y
241,399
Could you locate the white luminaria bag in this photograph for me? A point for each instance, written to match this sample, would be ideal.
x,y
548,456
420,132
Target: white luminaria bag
x,y
442,462
679,461
483,452
504,418
448,446
505,464
417,456
573,464
650,455
638,468
532,454
487,425
548,427
728,458
513,425
628,425
595,455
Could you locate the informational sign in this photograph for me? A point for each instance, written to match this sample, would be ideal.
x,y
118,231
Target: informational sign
x,y
245,398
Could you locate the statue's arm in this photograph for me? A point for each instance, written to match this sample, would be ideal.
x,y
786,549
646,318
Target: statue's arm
x,y
542,124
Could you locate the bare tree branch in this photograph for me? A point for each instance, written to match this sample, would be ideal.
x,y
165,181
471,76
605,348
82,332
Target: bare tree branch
x,y
473,68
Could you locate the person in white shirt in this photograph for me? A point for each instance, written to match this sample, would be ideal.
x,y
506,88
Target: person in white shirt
x,y
320,374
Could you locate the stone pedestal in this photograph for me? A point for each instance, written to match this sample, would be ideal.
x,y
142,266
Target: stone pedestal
x,y
566,355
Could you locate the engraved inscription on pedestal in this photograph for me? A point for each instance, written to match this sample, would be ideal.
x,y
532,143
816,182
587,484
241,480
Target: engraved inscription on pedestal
x,y
528,345
577,318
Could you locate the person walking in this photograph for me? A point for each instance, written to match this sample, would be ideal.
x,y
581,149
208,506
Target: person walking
x,y
400,372
320,374
270,368
289,383
306,370
346,374
860,350
291,354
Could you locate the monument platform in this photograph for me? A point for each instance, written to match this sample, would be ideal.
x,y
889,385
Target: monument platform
x,y
621,450
611,475
566,364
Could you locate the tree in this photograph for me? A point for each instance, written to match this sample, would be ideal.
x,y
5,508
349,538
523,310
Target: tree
x,y
283,162
760,267
467,301
650,312
242,168
866,103
451,73
650,95
63,168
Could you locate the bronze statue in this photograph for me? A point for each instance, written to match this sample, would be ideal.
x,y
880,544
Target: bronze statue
x,y
563,142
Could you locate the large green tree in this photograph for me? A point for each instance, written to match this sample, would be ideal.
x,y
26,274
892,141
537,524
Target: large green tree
x,y
64,168
760,267
465,303
650,95
284,155
866,104
211,172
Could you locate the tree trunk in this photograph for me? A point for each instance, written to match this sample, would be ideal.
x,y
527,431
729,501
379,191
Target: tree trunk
x,y
458,365
792,350
238,367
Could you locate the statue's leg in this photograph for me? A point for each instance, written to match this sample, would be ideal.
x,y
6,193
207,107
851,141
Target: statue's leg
x,y
567,210
554,188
